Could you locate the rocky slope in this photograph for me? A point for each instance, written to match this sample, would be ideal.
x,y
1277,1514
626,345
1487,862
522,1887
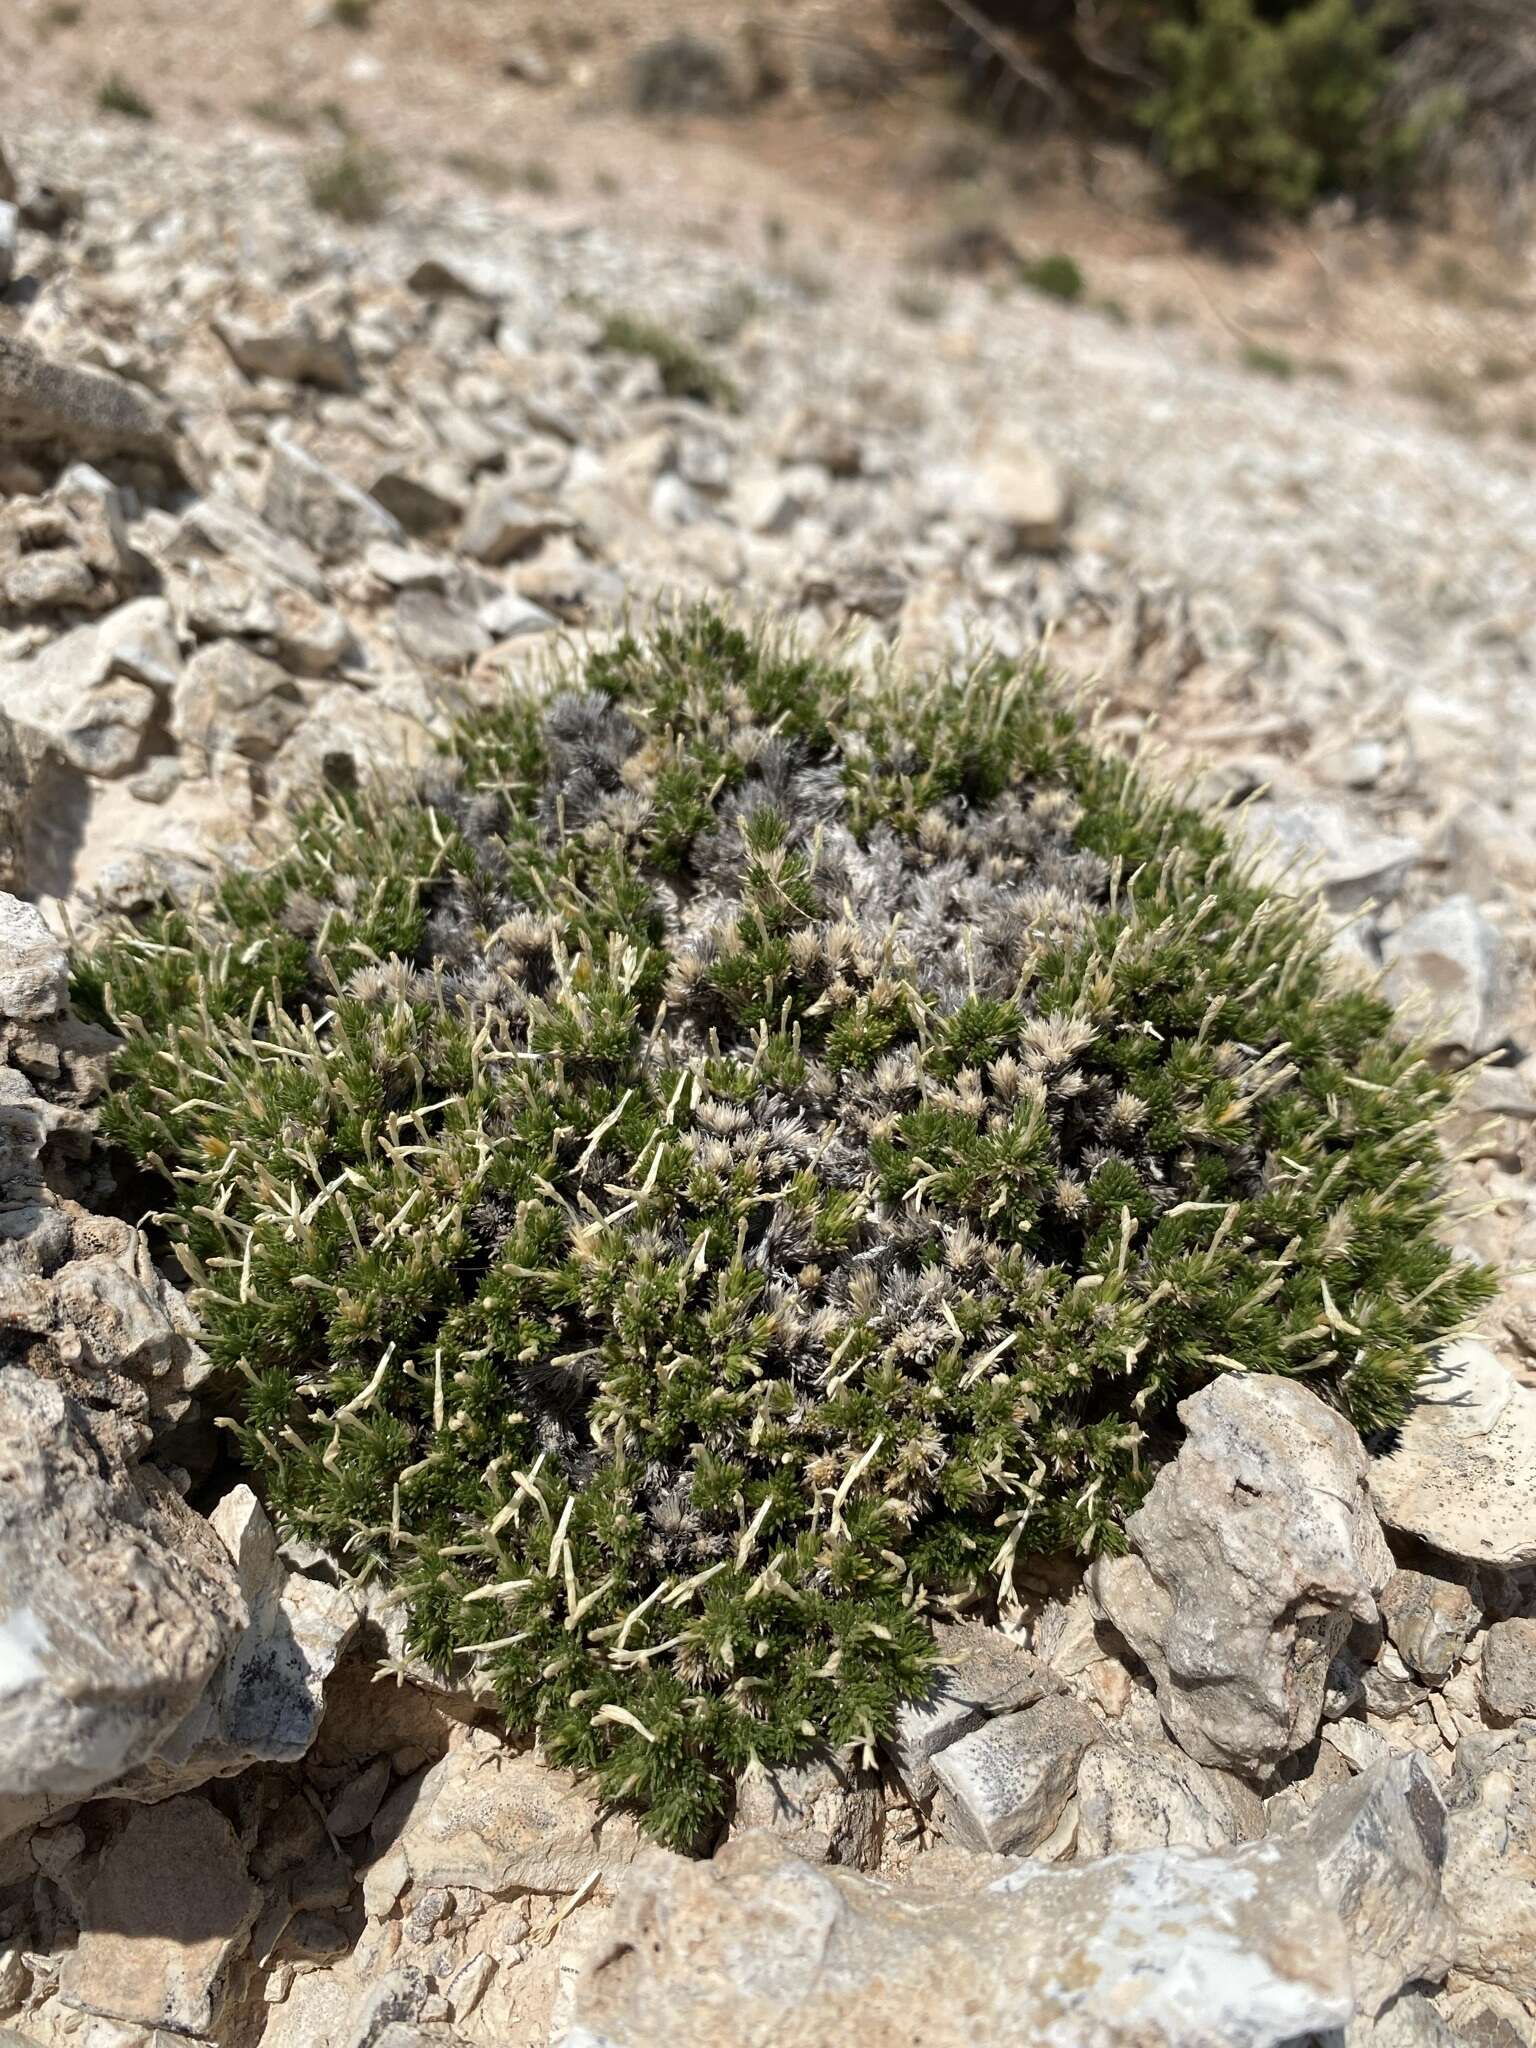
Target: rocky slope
x,y
278,495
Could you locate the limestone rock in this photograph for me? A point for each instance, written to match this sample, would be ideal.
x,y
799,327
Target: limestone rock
x,y
297,347
827,1810
311,503
1006,1784
15,807
1462,1476
231,700
989,1669
88,411
1445,973
114,1317
1137,1796
1490,1862
1160,1950
438,633
1020,490
1483,2016
220,527
1429,1621
982,1672
1508,1677
1410,2021
34,967
1380,1849
167,1913
502,522
490,1819
92,693
356,1804
509,616
264,1703
119,1607
926,1726
1332,846
1253,1555
67,549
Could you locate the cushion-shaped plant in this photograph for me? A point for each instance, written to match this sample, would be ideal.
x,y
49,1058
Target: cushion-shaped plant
x,y
699,1187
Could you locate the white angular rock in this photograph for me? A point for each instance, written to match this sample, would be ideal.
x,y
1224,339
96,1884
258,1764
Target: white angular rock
x,y
491,1819
437,632
313,504
1429,1621
926,1726
231,700
91,694
1490,1859
509,616
296,347
827,1810
1006,1784
982,1672
1136,1796
263,1704
69,548
1507,1680
1020,490
1380,1849
34,967
503,522
1462,1475
1252,1557
118,1603
1332,846
1160,1950
1445,973
166,1914
225,529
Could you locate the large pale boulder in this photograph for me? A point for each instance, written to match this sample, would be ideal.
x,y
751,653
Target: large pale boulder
x,y
1006,1784
828,1809
1490,1862
1380,1846
311,503
116,1602
263,1704
1161,1950
1141,1796
34,967
1252,1557
163,1919
489,1819
90,411
1462,1475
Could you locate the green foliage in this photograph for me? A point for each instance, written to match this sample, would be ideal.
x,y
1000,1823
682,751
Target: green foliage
x,y
355,183
684,372
1263,104
119,95
1269,362
1276,111
1055,277
700,1186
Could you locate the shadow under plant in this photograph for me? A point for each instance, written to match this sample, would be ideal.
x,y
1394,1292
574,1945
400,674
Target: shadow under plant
x,y
699,1189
